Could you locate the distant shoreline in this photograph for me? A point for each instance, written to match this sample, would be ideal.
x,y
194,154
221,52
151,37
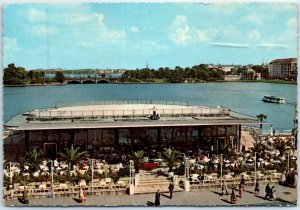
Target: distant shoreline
x,y
216,81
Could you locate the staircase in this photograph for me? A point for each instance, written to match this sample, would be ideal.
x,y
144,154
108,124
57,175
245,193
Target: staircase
x,y
151,182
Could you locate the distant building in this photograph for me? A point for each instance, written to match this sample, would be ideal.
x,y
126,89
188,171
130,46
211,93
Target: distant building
x,y
232,77
285,68
225,68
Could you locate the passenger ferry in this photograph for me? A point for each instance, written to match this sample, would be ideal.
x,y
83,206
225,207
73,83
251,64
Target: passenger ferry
x,y
274,99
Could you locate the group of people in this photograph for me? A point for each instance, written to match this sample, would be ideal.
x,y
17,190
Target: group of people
x,y
157,194
270,192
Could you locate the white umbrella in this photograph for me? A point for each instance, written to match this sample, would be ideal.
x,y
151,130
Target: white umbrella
x,y
215,161
226,161
250,160
227,165
293,158
260,159
206,159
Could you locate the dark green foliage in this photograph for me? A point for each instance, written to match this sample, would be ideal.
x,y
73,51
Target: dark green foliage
x,y
14,75
59,76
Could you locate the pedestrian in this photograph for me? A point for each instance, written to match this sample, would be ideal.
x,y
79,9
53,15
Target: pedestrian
x,y
256,189
25,195
81,196
157,198
171,188
295,180
154,111
241,190
273,196
242,183
233,197
267,190
84,195
224,188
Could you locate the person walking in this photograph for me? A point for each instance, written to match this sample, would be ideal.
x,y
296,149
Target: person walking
x,y
273,196
171,188
241,190
157,198
295,180
224,188
81,196
25,195
242,183
256,189
233,197
267,190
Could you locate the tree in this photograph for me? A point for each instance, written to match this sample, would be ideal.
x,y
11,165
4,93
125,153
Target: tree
x,y
138,159
59,76
14,75
34,159
171,157
261,117
72,155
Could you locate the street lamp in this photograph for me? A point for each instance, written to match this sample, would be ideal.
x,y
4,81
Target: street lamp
x,y
52,176
221,169
254,167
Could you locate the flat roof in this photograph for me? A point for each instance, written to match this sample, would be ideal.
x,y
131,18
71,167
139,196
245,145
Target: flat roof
x,y
126,116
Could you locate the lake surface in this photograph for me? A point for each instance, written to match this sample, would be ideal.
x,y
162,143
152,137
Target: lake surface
x,y
239,97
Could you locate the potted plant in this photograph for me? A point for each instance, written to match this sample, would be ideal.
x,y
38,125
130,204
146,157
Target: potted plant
x,y
171,157
138,160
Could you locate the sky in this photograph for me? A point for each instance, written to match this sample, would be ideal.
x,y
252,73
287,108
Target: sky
x,y
130,35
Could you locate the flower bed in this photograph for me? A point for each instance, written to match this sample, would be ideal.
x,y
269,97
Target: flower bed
x,y
149,166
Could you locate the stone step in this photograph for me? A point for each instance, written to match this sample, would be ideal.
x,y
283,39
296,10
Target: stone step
x,y
153,189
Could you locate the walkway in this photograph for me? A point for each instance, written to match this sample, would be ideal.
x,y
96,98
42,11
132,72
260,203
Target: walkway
x,y
206,197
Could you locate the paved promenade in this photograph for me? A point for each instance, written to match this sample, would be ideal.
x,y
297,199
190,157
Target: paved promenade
x,y
204,197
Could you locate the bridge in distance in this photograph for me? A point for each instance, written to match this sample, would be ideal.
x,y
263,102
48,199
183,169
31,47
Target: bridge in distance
x,y
92,77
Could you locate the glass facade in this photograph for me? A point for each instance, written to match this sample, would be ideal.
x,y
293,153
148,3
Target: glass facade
x,y
183,138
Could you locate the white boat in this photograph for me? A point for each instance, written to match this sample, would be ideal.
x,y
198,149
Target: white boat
x,y
274,99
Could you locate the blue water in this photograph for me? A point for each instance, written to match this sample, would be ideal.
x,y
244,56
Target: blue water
x,y
240,97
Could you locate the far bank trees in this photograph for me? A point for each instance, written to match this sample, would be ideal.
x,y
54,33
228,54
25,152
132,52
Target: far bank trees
x,y
13,75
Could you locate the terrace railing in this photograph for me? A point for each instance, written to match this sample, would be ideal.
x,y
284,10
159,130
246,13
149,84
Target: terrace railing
x,y
122,101
127,113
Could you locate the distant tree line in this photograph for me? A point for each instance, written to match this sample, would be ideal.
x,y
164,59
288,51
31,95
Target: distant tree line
x,y
176,75
13,75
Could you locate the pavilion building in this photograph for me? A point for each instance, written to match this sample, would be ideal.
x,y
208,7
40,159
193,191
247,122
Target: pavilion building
x,y
123,125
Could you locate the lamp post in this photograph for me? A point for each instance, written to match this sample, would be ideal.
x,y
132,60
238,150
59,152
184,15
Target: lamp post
x,y
52,177
221,169
10,173
288,163
92,176
255,168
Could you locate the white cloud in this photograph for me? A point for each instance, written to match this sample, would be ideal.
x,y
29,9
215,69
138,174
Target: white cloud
x,y
134,29
35,15
225,8
253,35
292,22
42,30
155,45
100,20
202,36
111,35
181,30
10,45
231,45
272,46
252,18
